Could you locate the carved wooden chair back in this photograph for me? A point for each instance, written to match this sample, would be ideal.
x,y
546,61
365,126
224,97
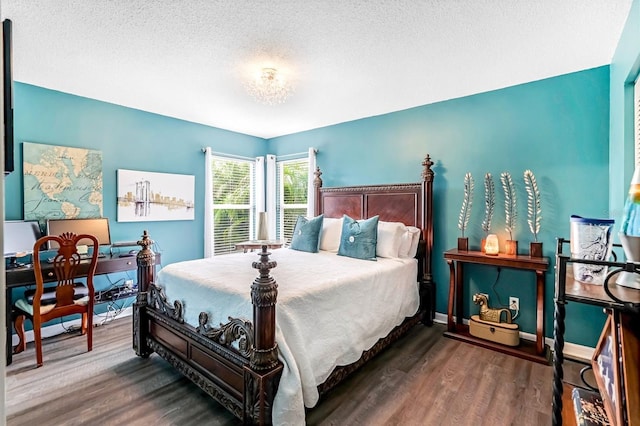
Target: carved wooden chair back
x,y
68,297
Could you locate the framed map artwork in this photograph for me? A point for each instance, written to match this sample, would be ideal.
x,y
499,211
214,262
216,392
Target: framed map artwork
x,y
61,182
150,196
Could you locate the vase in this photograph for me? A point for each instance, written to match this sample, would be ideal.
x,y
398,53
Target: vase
x,y
463,244
511,247
535,249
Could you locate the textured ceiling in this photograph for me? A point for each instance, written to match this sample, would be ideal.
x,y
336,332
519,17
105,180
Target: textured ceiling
x,y
348,59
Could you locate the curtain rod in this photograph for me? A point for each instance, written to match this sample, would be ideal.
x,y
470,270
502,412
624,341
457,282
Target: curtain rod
x,y
296,154
222,154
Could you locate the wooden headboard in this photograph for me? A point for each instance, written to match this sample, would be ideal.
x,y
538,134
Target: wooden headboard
x,y
409,203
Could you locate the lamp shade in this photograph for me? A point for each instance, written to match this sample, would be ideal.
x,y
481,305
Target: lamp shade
x,y
262,233
491,246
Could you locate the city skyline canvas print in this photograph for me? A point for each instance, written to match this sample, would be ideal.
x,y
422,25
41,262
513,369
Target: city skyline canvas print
x,y
152,196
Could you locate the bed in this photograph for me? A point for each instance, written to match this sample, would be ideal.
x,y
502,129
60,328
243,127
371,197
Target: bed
x,y
262,370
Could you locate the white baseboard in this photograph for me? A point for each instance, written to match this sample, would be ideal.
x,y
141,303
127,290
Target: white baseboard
x,y
571,350
54,330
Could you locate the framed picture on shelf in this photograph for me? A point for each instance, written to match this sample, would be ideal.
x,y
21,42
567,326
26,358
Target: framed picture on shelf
x,y
606,369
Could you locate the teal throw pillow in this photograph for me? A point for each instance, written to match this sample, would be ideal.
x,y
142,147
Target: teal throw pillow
x,y
306,234
359,238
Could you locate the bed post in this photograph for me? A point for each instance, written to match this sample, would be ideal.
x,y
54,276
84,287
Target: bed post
x,y
317,184
262,375
146,261
428,286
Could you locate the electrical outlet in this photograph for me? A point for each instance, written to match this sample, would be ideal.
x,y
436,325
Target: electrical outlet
x,y
514,303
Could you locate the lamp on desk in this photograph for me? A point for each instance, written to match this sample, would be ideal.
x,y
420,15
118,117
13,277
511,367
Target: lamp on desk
x,y
491,246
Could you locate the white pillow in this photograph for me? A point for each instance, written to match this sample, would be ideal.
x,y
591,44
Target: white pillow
x,y
409,242
389,238
330,234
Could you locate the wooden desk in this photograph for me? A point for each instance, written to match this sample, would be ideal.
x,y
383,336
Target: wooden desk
x,y
25,276
457,330
257,244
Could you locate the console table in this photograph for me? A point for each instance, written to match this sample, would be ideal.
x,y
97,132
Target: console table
x,y
25,276
456,259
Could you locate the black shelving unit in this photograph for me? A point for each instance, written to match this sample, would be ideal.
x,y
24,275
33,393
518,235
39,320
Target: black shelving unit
x,y
623,306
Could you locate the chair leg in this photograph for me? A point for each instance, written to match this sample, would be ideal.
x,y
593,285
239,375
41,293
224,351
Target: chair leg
x,y
18,325
37,339
89,331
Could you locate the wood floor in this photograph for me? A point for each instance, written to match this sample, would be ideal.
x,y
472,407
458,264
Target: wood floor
x,y
424,379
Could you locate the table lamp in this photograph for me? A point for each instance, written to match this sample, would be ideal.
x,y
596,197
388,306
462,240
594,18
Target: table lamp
x,y
491,246
630,232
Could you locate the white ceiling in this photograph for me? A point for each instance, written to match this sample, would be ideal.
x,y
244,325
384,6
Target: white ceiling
x,y
348,59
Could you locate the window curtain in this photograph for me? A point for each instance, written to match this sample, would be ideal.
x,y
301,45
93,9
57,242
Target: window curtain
x,y
208,203
271,184
311,193
260,185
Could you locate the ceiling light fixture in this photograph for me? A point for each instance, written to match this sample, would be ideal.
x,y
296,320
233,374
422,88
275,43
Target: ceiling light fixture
x,y
269,88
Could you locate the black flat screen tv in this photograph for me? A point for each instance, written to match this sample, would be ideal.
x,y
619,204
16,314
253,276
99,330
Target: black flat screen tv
x,y
7,85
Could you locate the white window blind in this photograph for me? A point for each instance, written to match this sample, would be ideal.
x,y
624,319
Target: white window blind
x,y
233,193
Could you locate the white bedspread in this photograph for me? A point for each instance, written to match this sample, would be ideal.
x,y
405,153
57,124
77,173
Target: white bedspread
x,y
330,309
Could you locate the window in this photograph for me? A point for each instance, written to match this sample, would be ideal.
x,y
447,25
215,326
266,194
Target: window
x,y
233,187
237,188
292,195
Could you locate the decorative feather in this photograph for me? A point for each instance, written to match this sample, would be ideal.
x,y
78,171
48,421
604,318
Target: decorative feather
x,y
534,211
489,202
467,201
510,212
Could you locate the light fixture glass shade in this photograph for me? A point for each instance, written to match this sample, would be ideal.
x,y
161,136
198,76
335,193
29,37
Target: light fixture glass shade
x,y
491,246
270,88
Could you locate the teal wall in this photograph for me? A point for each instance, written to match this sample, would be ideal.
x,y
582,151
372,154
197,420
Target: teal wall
x,y
129,139
558,127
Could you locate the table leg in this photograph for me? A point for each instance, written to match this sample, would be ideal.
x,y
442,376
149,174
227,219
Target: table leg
x,y
452,286
459,292
540,312
8,325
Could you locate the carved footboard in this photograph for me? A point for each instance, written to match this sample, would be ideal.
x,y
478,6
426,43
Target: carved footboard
x,y
234,363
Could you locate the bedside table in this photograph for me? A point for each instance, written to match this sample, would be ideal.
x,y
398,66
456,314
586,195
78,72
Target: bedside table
x,y
258,244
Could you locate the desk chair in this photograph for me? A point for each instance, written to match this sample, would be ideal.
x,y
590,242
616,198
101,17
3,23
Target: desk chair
x,y
68,297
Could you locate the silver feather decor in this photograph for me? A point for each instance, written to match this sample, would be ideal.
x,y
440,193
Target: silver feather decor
x,y
467,201
510,212
489,203
534,212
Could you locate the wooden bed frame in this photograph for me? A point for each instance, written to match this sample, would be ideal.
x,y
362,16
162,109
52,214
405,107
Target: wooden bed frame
x,y
237,363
